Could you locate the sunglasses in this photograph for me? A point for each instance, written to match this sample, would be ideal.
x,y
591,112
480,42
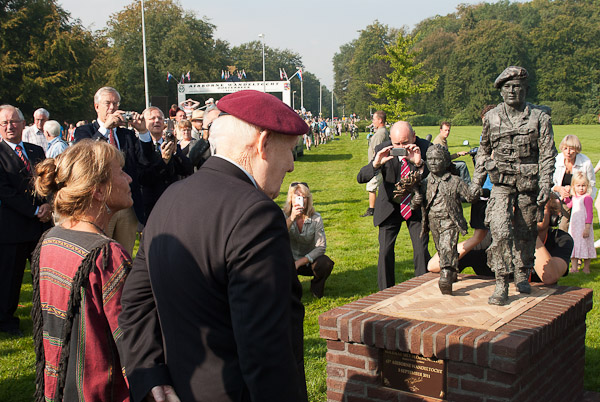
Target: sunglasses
x,y
295,183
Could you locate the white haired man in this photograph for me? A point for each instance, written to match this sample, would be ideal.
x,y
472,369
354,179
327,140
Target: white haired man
x,y
34,134
56,145
109,126
214,287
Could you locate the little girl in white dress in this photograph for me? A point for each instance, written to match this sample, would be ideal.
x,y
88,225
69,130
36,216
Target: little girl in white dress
x,y
581,224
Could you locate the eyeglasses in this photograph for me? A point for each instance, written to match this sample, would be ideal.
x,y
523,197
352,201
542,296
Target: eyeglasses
x,y
11,122
295,183
107,103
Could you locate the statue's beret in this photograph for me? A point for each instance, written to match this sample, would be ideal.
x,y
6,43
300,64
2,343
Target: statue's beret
x,y
511,73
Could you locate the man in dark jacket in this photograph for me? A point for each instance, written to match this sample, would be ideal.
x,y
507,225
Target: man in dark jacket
x,y
388,214
23,217
109,127
212,304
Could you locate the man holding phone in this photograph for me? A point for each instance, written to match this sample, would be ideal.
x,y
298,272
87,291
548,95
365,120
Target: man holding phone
x,y
403,153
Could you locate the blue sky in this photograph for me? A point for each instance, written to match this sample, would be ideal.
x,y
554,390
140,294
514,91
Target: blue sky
x,y
314,29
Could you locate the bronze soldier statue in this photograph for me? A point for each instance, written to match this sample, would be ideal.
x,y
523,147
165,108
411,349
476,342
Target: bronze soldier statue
x,y
442,212
517,152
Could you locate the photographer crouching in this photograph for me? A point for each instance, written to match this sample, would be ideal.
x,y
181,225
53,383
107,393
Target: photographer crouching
x,y
307,237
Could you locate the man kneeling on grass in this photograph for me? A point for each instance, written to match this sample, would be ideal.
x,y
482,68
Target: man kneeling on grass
x,y
553,250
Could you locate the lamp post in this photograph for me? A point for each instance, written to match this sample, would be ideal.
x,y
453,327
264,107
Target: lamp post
x,y
145,62
301,91
262,38
293,94
320,98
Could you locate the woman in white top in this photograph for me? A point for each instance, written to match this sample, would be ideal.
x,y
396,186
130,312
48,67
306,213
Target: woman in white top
x,y
569,162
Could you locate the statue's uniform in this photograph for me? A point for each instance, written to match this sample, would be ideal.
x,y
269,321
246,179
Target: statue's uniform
x,y
518,155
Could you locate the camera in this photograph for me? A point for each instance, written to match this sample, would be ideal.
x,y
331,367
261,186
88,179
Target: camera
x,y
128,116
169,137
299,200
398,152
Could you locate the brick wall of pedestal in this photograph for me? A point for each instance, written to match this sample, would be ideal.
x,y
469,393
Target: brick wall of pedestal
x,y
538,356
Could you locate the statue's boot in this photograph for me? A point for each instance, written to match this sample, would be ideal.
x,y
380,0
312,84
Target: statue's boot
x,y
448,276
500,295
522,280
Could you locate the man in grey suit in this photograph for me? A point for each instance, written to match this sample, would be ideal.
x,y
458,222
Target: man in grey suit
x,y
212,304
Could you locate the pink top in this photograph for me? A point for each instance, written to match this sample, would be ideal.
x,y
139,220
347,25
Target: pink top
x,y
589,206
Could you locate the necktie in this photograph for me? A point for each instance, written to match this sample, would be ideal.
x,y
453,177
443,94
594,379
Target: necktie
x,y
23,158
111,138
405,203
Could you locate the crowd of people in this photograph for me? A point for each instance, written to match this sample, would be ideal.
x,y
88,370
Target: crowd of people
x,y
210,306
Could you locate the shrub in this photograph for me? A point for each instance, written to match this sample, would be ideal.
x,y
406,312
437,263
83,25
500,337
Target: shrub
x,y
562,112
589,118
425,120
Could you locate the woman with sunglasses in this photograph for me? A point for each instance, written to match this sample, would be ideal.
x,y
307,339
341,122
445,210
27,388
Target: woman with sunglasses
x,y
307,237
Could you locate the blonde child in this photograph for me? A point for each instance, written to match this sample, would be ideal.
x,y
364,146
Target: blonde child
x,y
580,226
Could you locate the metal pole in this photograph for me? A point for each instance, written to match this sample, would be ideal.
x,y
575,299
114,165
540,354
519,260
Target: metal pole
x,y
262,36
302,95
320,98
293,104
145,61
332,106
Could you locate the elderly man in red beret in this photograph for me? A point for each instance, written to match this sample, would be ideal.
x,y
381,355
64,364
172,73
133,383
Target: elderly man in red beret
x,y
211,308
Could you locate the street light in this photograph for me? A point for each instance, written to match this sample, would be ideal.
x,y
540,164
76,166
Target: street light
x,y
145,63
262,38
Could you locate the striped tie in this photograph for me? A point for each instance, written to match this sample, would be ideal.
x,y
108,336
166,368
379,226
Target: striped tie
x,y
23,158
111,138
405,203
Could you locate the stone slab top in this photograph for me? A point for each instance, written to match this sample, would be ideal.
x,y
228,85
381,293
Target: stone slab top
x,y
467,306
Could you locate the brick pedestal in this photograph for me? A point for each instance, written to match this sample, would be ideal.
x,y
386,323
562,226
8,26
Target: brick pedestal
x,y
536,356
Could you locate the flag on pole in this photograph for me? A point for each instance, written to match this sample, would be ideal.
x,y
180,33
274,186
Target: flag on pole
x,y
244,73
188,76
222,75
300,74
169,76
280,74
182,78
285,74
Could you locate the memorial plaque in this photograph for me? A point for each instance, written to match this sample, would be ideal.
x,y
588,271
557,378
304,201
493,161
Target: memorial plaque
x,y
413,373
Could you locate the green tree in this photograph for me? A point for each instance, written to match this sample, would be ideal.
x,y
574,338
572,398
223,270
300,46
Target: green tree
x,y
406,79
176,41
358,64
46,59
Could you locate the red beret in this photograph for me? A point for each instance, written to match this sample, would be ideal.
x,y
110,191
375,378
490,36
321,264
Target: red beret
x,y
263,110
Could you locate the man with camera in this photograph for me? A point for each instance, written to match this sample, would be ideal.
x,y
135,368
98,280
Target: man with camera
x,y
110,126
397,159
169,162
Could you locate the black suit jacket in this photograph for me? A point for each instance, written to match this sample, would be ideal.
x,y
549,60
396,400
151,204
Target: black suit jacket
x,y
217,259
18,222
162,175
136,162
384,204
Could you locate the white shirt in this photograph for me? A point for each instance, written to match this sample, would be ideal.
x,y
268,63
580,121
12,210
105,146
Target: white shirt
x,y
104,131
34,136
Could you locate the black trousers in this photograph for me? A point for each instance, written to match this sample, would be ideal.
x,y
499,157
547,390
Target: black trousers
x,y
388,232
13,258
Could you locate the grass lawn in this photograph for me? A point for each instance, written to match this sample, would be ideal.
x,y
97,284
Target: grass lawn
x,y
330,170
